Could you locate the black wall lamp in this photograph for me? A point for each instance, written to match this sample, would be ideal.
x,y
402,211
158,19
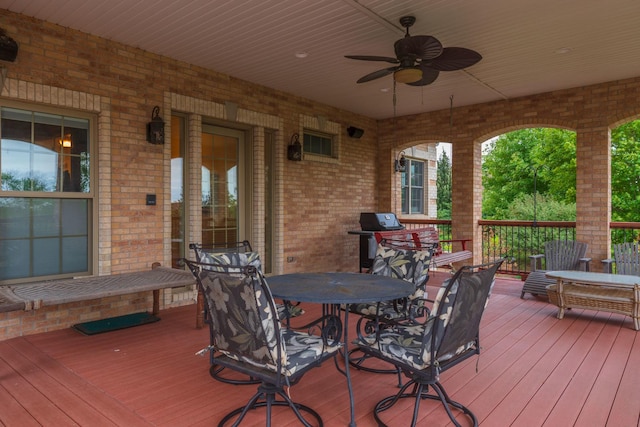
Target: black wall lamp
x,y
355,132
155,128
294,149
8,47
401,162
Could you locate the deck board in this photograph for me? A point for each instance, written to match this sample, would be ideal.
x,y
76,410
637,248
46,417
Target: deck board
x,y
533,370
625,410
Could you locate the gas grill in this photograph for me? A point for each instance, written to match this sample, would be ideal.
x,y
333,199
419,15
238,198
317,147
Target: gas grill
x,y
371,222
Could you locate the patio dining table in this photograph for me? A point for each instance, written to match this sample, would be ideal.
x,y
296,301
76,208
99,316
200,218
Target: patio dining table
x,y
334,289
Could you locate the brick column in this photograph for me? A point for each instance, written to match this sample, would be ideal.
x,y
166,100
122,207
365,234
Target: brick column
x,y
593,191
466,203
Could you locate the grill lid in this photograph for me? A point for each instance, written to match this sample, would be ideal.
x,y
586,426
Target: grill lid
x,y
372,221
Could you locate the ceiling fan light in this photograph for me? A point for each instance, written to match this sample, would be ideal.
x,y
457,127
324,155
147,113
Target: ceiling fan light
x,y
408,75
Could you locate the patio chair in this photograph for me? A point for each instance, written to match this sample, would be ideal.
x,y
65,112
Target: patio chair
x,y
234,254
449,336
626,258
558,255
250,339
239,253
407,264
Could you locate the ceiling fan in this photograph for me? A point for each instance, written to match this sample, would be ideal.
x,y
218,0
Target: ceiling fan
x,y
420,58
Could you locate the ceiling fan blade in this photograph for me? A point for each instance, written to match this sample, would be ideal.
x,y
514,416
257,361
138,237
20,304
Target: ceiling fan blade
x,y
377,74
454,58
429,75
422,47
373,58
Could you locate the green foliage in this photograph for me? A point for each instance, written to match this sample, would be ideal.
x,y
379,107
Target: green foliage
x,y
548,209
625,172
443,183
12,183
513,159
510,167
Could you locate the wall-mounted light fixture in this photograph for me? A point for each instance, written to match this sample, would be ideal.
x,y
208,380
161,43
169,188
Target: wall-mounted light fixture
x,y
65,141
155,128
355,132
401,162
8,47
294,150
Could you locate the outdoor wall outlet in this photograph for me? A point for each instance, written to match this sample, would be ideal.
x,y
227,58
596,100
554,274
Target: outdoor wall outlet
x,y
151,199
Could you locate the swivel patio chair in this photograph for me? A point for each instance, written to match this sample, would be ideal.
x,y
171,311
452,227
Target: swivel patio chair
x,y
250,339
407,264
424,351
626,258
558,255
234,254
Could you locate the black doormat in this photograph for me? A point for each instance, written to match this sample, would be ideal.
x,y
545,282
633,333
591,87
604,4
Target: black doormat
x,y
115,323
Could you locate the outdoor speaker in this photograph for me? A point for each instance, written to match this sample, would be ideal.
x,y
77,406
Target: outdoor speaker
x,y
355,132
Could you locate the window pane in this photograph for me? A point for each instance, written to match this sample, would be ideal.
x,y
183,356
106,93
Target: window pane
x,y
15,258
177,191
74,217
74,254
416,200
44,152
46,256
315,143
42,237
14,219
405,200
412,184
46,217
417,173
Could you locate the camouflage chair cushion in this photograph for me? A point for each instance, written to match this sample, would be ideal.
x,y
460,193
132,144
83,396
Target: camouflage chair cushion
x,y
406,264
242,310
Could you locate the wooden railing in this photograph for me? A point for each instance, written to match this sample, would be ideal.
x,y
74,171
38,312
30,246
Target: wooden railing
x,y
517,240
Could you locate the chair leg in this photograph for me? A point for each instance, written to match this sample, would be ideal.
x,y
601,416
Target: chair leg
x,y
418,393
266,397
389,401
448,403
358,363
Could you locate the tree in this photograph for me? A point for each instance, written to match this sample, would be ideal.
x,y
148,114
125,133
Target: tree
x,y
510,167
625,172
443,184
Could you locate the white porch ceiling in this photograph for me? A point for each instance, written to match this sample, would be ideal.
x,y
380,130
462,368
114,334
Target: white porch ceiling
x,y
256,40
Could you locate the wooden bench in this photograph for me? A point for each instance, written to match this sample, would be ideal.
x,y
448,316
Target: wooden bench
x,y
32,296
426,238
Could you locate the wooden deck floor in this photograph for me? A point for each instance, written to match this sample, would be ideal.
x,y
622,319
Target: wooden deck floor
x,y
534,370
